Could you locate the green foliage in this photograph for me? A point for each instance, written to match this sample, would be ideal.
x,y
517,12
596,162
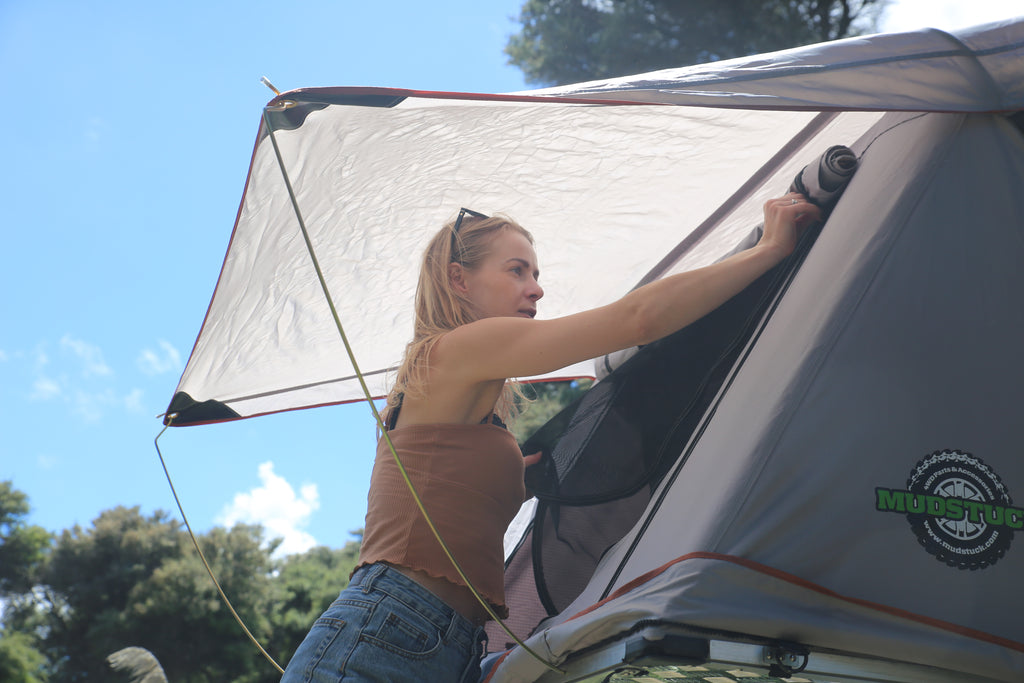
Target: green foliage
x,y
305,586
568,41
545,399
133,580
20,661
91,575
177,612
22,546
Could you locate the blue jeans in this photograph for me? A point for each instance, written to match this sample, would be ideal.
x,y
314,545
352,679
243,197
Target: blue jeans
x,y
386,627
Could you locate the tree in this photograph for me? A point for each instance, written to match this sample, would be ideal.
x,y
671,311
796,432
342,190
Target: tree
x,y
131,591
90,578
23,551
545,399
20,661
22,546
178,614
567,41
136,581
304,586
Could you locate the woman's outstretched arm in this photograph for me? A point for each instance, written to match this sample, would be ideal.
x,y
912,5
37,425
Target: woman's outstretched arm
x,y
497,348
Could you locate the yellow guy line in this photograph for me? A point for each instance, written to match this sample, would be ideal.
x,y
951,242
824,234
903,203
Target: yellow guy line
x,y
202,556
373,407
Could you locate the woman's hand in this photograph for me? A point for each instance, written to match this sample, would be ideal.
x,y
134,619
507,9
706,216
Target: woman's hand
x,y
532,459
784,219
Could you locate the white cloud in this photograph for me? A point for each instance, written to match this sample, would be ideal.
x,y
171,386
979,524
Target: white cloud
x,y
93,364
45,388
3,355
133,401
278,509
80,378
90,406
166,359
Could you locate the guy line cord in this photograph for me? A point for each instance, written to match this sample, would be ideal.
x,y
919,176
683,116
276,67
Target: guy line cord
x,y
202,556
373,407
376,416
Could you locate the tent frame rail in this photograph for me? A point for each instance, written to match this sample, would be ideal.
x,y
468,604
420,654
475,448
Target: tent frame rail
x,y
677,651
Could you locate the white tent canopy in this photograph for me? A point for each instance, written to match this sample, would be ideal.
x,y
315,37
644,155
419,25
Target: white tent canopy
x,y
615,193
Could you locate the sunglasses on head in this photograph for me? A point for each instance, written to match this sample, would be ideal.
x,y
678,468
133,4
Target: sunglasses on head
x,y
462,214
458,222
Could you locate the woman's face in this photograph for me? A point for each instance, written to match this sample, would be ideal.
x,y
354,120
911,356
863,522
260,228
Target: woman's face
x,y
505,284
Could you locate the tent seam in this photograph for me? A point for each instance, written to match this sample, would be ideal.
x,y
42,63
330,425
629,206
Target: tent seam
x,y
783,72
990,83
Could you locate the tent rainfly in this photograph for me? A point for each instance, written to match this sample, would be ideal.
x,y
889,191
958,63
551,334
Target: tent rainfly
x,y
832,484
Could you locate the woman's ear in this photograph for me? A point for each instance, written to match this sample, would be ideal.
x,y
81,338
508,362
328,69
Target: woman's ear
x,y
456,277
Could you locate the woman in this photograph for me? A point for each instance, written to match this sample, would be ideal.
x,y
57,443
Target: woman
x,y
407,614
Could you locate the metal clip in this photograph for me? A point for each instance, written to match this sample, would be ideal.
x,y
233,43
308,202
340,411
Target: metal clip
x,y
785,660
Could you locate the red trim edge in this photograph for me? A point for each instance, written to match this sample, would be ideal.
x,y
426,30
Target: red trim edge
x,y
797,581
803,583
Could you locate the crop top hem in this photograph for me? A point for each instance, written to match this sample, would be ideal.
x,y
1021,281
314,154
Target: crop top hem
x,y
499,609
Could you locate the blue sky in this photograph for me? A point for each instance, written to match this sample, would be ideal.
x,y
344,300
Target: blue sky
x,y
129,127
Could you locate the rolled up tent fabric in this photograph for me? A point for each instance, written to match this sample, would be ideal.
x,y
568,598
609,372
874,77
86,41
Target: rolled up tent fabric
x,y
824,180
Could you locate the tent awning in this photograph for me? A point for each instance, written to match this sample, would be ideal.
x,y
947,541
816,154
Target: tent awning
x,y
614,193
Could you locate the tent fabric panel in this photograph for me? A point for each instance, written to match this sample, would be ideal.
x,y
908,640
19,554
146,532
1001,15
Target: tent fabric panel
x,y
606,454
373,184
792,347
638,436
743,211
926,70
878,258
384,178
998,47
522,592
926,361
791,609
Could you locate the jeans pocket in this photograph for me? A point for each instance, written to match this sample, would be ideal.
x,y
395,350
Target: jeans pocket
x,y
318,654
406,634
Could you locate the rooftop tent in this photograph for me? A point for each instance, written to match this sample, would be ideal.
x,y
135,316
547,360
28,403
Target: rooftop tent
x,y
802,507
841,486
847,481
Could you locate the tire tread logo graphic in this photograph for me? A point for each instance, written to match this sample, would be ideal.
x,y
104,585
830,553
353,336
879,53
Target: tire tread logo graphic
x,y
958,508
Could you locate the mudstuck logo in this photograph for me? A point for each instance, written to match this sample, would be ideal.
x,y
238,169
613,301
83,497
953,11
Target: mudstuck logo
x,y
958,507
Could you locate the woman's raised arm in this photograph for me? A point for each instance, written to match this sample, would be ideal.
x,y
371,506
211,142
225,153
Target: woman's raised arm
x,y
503,347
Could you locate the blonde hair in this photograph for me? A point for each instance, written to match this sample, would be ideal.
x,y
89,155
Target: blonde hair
x,y
440,308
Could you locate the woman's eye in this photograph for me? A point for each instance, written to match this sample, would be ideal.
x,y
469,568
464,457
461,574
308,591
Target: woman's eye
x,y
517,270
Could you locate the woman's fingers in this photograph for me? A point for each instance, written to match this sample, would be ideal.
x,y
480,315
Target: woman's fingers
x,y
793,206
533,458
785,216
